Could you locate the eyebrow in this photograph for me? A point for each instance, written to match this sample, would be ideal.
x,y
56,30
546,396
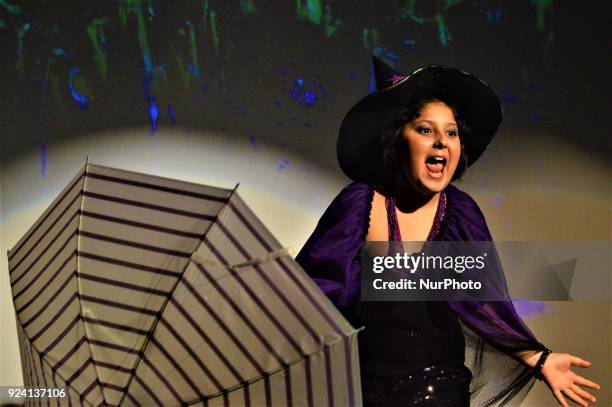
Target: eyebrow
x,y
433,122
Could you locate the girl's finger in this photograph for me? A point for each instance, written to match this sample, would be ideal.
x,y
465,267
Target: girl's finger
x,y
583,393
576,361
569,393
560,398
587,383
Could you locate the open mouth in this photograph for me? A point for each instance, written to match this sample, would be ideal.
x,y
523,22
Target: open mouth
x,y
435,166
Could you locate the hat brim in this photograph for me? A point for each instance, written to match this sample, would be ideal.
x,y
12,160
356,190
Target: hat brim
x,y
358,148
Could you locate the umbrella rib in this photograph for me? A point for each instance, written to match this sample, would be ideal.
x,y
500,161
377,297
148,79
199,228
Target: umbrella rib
x,y
165,304
84,325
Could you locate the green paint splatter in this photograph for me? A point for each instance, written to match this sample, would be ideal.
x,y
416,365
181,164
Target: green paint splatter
x,y
370,39
19,64
542,8
438,21
544,12
195,70
248,7
213,29
2,25
11,9
311,11
443,33
205,12
95,30
330,26
181,66
135,8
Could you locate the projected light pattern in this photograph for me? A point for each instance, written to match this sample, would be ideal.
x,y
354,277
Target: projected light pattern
x,y
183,51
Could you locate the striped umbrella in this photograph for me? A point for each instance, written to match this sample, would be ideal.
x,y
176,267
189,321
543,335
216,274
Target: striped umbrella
x,y
132,289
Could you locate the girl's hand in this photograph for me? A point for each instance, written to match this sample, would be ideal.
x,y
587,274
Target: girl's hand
x,y
562,381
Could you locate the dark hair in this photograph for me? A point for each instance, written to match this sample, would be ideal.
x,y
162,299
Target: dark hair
x,y
392,142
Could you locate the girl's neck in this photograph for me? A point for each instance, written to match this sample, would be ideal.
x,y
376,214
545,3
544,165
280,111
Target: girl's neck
x,y
408,199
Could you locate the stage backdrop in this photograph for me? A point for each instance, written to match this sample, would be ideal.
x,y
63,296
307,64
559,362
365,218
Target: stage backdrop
x,y
253,92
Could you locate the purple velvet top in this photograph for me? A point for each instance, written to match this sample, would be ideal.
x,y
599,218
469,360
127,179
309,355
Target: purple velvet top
x,y
493,330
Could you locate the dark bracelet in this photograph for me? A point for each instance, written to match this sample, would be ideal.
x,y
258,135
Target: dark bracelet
x,y
537,369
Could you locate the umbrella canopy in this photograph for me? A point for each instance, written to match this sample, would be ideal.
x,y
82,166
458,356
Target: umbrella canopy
x,y
133,289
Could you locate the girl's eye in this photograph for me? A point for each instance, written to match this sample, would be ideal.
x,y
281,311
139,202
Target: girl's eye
x,y
452,133
423,130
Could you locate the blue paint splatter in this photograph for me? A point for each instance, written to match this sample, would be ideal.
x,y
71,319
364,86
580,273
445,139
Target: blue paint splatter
x,y
282,165
43,160
409,44
279,123
536,117
372,81
277,103
81,100
351,75
387,55
509,98
305,97
252,140
493,15
153,115
171,115
205,87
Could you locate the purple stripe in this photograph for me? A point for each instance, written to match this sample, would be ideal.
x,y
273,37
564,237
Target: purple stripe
x,y
271,284
27,255
247,396
239,312
142,225
349,371
78,372
63,196
288,386
156,187
289,272
308,374
53,277
210,343
138,204
39,292
61,335
193,355
328,374
177,367
137,245
57,253
113,367
267,390
44,376
88,390
255,298
132,399
229,333
114,304
128,264
112,346
163,379
115,326
55,317
112,386
121,284
71,352
148,390
53,297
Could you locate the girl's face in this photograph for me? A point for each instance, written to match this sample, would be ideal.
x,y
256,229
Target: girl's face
x,y
432,148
